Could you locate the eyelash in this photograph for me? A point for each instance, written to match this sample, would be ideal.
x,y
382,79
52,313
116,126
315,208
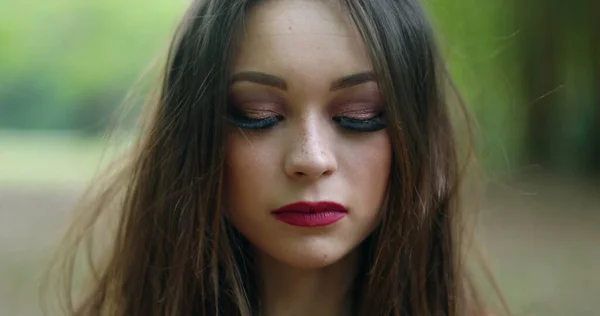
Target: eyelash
x,y
357,125
361,125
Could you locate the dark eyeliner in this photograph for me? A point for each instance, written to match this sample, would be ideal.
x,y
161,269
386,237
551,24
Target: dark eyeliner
x,y
359,125
245,122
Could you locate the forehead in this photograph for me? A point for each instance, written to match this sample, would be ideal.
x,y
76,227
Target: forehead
x,y
301,36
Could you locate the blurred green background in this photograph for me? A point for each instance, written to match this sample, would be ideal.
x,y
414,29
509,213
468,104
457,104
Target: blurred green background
x,y
529,70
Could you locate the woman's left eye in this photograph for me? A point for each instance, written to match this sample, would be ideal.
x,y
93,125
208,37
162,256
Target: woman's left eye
x,y
365,125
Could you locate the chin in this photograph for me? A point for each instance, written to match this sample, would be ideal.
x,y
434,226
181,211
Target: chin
x,y
312,254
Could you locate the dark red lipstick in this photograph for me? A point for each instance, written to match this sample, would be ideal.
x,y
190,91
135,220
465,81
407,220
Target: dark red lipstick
x,y
311,214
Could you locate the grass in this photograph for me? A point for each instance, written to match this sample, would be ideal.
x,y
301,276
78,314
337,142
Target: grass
x,y
48,159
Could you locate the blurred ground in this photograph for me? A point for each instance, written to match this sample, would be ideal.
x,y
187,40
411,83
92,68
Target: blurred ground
x,y
541,234
542,238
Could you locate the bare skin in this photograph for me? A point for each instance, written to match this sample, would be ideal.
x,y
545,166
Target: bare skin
x,y
308,155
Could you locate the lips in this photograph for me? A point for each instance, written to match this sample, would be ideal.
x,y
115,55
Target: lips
x,y
311,214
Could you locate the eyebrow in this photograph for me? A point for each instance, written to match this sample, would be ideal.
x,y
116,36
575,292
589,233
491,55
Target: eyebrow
x,y
353,80
260,78
276,82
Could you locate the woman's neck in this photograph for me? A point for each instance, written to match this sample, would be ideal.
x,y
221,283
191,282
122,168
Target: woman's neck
x,y
288,291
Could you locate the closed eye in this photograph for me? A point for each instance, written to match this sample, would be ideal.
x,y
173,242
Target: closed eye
x,y
256,122
361,124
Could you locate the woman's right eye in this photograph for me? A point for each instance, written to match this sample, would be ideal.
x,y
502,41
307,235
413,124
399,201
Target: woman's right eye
x,y
256,122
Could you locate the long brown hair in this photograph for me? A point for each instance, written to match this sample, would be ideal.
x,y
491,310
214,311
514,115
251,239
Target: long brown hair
x,y
174,253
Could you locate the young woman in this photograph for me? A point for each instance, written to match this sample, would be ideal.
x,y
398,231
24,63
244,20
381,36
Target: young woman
x,y
299,160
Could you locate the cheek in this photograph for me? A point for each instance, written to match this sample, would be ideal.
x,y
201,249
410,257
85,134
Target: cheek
x,y
249,166
369,165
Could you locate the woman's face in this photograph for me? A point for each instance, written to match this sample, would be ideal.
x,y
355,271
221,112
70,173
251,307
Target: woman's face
x,y
307,126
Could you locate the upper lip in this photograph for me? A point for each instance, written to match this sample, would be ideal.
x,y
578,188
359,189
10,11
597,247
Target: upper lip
x,y
312,207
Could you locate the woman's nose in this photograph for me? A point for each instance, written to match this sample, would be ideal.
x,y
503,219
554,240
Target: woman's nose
x,y
310,155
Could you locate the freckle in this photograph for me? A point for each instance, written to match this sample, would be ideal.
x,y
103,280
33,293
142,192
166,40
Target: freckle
x,y
289,28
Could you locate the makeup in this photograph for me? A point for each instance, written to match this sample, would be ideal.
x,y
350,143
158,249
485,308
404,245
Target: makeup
x,y
310,214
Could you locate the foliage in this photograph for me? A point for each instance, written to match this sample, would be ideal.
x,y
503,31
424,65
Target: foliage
x,y
67,64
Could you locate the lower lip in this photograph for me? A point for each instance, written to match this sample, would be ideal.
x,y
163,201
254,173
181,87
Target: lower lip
x,y
310,219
